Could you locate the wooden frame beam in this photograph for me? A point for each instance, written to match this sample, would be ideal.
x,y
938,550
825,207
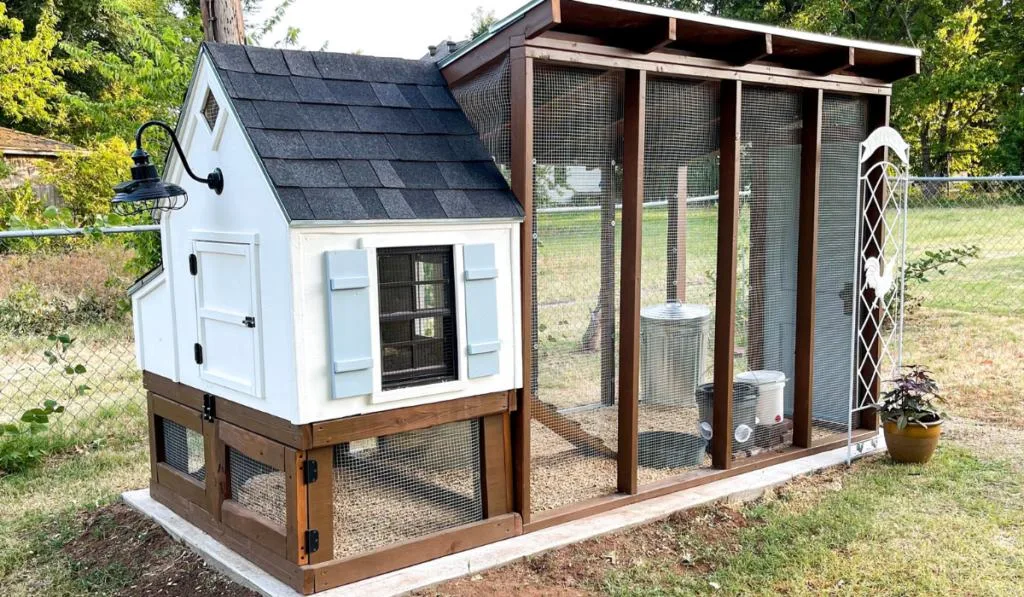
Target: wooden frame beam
x,y
725,291
752,49
651,38
807,264
635,101
521,123
835,61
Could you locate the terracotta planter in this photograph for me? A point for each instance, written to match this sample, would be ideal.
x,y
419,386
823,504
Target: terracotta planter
x,y
913,444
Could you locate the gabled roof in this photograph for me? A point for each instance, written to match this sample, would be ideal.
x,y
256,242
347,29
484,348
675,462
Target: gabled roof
x,y
14,142
349,137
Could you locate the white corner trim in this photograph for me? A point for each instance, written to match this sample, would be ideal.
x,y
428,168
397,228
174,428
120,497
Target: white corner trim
x,y
747,486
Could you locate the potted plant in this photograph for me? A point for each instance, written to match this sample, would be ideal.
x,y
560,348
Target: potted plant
x,y
911,421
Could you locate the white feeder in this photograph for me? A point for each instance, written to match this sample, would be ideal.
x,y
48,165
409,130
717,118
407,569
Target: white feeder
x,y
771,391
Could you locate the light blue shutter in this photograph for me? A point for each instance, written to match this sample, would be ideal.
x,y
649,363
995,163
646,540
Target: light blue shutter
x,y
348,300
481,310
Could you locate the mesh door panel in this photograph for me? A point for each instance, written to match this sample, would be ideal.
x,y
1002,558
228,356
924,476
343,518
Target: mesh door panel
x,y
766,270
257,487
485,100
393,488
844,126
184,449
577,182
680,231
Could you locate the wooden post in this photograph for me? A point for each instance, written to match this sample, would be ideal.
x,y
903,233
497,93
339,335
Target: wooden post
x,y
632,243
606,300
222,21
521,123
675,254
494,483
870,383
725,291
807,263
320,502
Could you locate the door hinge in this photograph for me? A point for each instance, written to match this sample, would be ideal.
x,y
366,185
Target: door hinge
x,y
309,472
199,353
193,264
209,407
249,321
312,541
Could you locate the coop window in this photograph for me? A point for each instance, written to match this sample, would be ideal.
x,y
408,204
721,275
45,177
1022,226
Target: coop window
x,y
183,449
417,324
210,109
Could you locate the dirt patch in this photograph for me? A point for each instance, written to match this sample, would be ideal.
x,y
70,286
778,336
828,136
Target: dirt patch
x,y
580,569
119,552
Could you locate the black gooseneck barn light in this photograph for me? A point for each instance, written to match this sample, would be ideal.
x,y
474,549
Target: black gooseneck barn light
x,y
146,192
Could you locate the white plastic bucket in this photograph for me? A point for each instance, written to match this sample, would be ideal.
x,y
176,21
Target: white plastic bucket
x,y
771,392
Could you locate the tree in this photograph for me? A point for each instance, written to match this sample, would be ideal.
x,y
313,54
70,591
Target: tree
x,y
482,21
31,89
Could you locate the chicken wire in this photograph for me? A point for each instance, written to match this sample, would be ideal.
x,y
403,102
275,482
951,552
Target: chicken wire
x,y
257,487
398,487
767,263
577,182
485,100
679,232
184,449
844,126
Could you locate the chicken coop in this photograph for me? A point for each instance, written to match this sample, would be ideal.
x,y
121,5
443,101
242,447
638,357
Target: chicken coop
x,y
601,253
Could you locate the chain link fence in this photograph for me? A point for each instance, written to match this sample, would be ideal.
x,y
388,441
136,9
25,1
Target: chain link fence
x,y
965,321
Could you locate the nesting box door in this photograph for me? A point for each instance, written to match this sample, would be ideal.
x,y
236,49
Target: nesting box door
x,y
227,315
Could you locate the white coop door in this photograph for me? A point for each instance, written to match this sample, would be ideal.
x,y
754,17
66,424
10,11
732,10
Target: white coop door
x,y
227,316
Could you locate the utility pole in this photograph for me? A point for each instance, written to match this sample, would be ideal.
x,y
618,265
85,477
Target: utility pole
x,y
222,21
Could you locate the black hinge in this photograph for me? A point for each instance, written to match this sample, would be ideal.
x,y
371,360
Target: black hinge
x,y
249,321
199,353
209,407
193,264
312,541
310,472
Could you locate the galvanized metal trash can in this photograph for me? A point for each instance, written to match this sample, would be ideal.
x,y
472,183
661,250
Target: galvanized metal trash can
x,y
673,342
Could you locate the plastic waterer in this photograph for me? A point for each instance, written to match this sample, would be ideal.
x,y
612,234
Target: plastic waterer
x,y
771,392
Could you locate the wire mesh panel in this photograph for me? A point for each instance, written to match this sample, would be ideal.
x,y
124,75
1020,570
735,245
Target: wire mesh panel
x,y
257,486
844,126
485,100
677,286
577,186
397,487
766,269
184,449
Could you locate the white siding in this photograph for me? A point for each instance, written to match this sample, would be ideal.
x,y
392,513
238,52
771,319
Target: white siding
x,y
154,328
315,367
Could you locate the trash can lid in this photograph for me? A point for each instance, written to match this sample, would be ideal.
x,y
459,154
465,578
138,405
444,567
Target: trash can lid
x,y
675,310
761,377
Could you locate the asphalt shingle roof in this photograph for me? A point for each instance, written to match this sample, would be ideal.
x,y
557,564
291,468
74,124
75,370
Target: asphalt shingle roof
x,y
347,137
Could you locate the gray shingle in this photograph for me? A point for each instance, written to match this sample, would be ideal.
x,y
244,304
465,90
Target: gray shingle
x,y
394,204
495,203
421,147
371,203
305,173
438,97
230,57
328,117
352,93
335,204
429,122
456,204
267,60
300,63
424,204
280,115
413,96
471,175
243,85
247,113
455,122
275,88
359,173
386,174
420,175
294,202
389,95
312,90
338,66
347,146
279,144
467,147
385,120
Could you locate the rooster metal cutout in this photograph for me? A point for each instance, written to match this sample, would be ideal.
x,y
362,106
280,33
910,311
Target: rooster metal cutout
x,y
879,281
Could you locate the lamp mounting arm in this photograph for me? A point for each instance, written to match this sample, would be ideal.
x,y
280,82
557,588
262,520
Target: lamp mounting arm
x,y
214,180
